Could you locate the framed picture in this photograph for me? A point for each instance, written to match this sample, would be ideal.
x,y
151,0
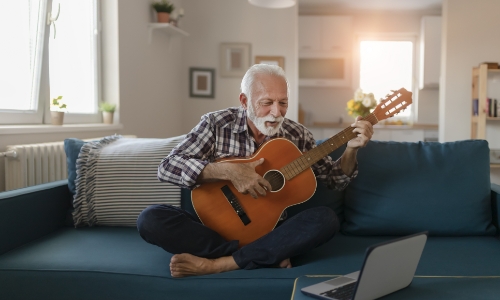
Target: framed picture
x,y
271,60
201,83
234,59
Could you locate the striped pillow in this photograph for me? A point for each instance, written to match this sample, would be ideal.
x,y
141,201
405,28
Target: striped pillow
x,y
116,179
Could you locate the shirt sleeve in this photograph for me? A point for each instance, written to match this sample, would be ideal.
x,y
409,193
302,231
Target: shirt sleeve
x,y
326,170
188,159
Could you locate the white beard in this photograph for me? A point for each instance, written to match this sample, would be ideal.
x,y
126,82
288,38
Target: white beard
x,y
260,122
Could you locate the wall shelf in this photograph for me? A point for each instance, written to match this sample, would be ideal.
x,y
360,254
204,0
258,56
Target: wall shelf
x,y
167,28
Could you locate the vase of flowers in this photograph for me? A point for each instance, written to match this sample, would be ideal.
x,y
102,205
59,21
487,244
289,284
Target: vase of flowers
x,y
361,105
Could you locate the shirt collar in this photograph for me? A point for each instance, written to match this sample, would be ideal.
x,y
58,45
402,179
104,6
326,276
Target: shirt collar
x,y
240,123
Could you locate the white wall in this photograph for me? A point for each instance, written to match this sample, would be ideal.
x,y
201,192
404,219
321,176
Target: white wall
x,y
212,22
470,37
150,78
328,104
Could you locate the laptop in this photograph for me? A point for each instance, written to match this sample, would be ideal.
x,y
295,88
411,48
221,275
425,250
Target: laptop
x,y
388,267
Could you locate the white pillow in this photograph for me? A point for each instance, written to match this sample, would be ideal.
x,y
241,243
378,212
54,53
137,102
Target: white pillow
x,y
117,178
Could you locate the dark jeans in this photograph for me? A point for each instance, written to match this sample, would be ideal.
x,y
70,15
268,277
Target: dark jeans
x,y
177,231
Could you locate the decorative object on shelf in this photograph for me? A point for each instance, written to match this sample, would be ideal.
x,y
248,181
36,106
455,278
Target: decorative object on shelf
x,y
273,3
57,109
234,59
108,111
495,156
163,10
361,105
201,83
271,60
176,17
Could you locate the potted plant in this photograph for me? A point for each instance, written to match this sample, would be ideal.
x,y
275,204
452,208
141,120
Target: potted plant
x,y
108,110
57,109
163,10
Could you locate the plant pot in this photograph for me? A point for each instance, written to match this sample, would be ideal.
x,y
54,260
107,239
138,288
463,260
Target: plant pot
x,y
107,117
56,117
163,17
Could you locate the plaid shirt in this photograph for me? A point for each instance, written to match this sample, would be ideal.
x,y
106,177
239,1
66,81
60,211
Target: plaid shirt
x,y
224,134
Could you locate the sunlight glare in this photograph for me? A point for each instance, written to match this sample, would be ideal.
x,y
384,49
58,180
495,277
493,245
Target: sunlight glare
x,y
386,66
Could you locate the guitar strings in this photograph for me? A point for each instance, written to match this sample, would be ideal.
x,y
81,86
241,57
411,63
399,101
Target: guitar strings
x,y
299,165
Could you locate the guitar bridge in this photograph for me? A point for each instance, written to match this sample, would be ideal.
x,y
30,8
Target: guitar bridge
x,y
231,198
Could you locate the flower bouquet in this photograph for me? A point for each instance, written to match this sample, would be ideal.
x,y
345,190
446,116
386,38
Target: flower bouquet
x,y
361,105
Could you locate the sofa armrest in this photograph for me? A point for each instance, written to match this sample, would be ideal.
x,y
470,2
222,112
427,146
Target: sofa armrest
x,y
495,205
29,213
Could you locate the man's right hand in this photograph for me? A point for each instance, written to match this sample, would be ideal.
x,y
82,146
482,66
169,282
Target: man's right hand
x,y
242,175
246,180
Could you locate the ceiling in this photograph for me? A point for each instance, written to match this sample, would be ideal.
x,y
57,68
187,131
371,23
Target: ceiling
x,y
384,5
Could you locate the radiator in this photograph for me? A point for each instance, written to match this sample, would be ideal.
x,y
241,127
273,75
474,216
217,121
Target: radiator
x,y
36,164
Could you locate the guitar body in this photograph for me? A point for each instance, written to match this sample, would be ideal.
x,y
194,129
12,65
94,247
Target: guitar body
x,y
216,212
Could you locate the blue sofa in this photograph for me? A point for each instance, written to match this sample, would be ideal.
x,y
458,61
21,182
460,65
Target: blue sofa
x,y
402,188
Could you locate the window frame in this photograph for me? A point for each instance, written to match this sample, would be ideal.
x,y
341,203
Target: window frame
x,y
42,115
16,117
410,37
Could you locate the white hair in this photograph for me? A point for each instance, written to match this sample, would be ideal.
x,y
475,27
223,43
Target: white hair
x,y
249,78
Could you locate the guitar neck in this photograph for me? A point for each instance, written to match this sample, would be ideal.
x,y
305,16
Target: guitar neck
x,y
314,155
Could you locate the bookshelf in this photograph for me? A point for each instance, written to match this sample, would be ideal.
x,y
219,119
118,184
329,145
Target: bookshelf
x,y
481,91
484,124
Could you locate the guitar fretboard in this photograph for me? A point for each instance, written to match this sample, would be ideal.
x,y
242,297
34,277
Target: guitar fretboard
x,y
314,155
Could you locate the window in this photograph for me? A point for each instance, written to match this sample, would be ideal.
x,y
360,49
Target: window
x,y
386,65
45,61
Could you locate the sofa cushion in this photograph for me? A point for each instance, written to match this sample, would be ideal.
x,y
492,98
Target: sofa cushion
x,y
115,263
440,187
116,179
72,148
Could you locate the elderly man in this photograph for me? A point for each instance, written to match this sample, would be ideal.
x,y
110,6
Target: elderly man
x,y
238,132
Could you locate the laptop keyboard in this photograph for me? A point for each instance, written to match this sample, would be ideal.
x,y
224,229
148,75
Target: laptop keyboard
x,y
342,293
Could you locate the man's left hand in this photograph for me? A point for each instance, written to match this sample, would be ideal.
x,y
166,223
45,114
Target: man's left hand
x,y
364,131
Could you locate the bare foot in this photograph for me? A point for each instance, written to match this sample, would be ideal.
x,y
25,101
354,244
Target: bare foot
x,y
182,265
286,264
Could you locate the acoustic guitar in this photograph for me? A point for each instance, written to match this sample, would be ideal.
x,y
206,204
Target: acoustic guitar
x,y
237,216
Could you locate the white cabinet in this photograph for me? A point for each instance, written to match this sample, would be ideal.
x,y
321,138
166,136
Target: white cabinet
x,y
309,34
325,33
430,51
336,33
324,69
325,44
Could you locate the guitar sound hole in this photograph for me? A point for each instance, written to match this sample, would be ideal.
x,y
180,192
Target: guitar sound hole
x,y
276,179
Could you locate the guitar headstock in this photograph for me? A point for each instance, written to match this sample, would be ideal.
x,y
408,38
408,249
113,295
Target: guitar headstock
x,y
393,104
